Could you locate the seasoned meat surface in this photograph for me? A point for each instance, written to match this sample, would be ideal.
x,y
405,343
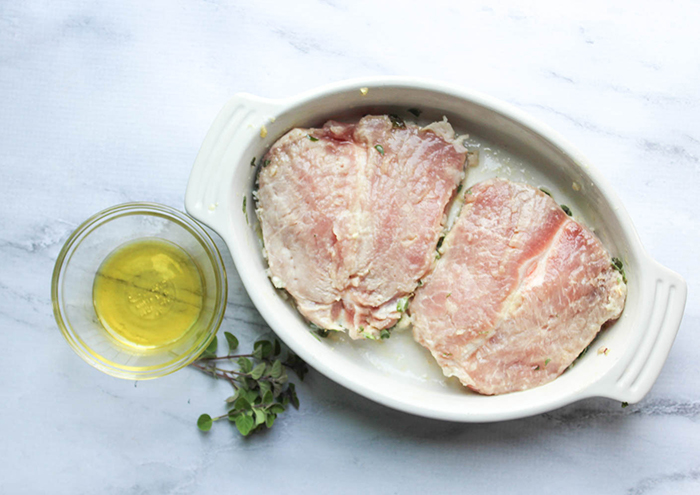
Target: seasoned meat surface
x,y
351,215
520,290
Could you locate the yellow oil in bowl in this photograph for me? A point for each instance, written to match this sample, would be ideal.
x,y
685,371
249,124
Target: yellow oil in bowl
x,y
148,294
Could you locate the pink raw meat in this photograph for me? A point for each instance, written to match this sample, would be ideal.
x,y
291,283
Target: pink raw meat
x,y
519,292
351,215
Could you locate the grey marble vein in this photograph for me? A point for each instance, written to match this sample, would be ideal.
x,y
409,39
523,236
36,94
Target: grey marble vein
x,y
667,483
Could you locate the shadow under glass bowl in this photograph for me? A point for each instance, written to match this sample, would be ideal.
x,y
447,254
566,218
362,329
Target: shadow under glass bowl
x,y
74,275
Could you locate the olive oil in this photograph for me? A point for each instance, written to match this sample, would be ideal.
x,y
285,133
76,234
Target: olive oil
x,y
148,294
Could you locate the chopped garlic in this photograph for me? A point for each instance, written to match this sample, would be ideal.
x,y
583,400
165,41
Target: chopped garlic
x,y
263,132
472,158
364,91
575,186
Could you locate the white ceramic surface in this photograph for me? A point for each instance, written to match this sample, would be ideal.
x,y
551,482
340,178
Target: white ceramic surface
x,y
639,342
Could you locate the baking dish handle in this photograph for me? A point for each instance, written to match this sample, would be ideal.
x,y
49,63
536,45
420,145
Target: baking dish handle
x,y
635,373
243,120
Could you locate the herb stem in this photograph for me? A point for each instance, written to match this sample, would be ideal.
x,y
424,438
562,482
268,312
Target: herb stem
x,y
230,356
222,373
214,370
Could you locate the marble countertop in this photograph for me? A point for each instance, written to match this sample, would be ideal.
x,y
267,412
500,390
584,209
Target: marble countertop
x,y
108,102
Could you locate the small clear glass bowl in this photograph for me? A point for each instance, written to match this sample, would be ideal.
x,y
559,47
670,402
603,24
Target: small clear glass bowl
x,y
74,275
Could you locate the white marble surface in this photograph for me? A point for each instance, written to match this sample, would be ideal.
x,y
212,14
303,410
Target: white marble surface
x,y
107,102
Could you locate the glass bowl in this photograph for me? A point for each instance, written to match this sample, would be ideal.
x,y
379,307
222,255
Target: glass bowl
x,y
74,276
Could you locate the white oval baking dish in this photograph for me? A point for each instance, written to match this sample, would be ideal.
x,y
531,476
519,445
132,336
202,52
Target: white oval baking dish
x,y
638,343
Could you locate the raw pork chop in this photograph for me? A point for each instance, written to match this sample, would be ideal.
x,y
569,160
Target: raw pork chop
x,y
351,215
519,292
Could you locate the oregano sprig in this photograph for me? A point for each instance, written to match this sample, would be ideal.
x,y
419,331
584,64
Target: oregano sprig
x,y
261,386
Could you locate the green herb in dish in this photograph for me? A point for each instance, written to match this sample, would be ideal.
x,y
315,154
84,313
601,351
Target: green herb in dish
x,y
402,304
397,121
617,265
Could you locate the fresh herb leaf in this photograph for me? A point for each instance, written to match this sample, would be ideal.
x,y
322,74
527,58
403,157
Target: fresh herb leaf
x,y
397,121
252,162
245,424
266,163
266,348
567,210
537,367
277,348
242,404
245,364
232,341
459,188
384,334
276,369
265,387
252,395
402,304
546,362
380,149
276,409
259,416
293,395
204,422
440,241
245,204
546,191
624,404
313,139
296,364
415,111
257,372
210,351
617,265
